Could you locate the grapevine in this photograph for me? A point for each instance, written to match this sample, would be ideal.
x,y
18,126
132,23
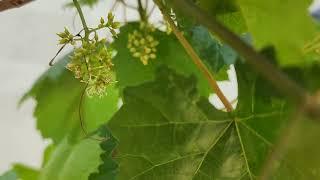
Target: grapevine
x,y
143,92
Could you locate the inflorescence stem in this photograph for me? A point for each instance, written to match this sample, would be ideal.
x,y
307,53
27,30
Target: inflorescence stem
x,y
83,21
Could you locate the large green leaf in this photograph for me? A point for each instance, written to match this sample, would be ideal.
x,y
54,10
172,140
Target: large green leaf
x,y
299,143
57,94
284,24
130,71
20,172
166,131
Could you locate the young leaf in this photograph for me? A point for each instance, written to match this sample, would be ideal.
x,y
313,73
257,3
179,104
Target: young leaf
x,y
9,175
20,171
58,94
72,160
25,172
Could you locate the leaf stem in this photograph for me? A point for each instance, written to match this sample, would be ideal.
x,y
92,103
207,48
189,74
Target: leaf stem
x,y
196,59
255,59
83,21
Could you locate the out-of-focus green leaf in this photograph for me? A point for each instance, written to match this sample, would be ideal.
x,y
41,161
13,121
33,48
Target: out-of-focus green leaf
x,y
57,94
301,147
20,172
72,160
9,175
178,135
25,172
130,71
284,24
47,154
227,12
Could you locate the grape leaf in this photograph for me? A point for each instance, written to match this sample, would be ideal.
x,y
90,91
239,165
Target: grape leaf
x,y
166,131
109,168
72,160
57,94
227,12
25,172
284,24
214,54
301,137
20,171
9,175
130,71
303,148
47,154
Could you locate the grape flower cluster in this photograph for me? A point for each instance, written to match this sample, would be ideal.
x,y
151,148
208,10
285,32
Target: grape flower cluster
x,y
91,61
142,44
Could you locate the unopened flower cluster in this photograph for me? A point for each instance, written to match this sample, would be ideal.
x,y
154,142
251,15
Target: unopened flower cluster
x,y
142,44
91,61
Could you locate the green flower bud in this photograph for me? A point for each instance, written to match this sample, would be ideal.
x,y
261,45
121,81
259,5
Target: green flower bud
x,y
110,17
115,25
61,35
101,20
113,32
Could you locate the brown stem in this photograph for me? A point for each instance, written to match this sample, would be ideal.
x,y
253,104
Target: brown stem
x,y
196,59
9,4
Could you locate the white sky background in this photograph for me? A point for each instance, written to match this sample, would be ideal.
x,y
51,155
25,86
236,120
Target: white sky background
x,y
27,42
